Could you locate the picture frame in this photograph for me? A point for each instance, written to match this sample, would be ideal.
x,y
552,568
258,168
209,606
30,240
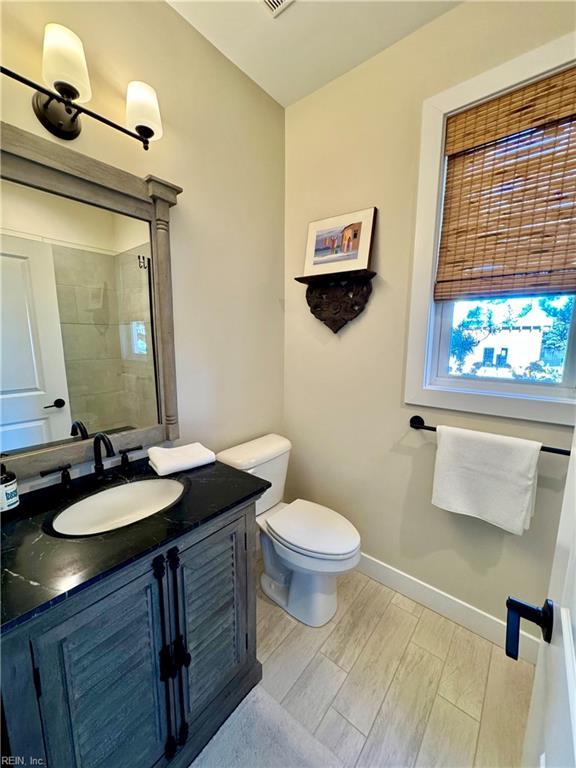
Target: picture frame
x,y
339,243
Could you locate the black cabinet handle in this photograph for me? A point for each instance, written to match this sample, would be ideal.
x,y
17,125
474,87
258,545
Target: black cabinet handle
x,y
167,668
543,617
182,656
58,403
168,665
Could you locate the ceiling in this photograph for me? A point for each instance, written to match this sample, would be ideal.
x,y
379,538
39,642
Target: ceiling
x,y
311,42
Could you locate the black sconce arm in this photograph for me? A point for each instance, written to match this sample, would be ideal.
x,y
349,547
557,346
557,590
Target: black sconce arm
x,y
72,107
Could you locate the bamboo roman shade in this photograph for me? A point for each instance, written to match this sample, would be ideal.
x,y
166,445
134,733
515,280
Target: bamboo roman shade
x,y
509,219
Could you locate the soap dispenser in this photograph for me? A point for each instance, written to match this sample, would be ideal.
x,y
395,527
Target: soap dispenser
x,y
8,489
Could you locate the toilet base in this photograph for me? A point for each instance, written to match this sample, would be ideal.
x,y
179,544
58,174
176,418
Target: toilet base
x,y
309,597
304,586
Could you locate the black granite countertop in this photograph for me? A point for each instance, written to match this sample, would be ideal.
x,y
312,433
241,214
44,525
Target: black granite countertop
x,y
40,569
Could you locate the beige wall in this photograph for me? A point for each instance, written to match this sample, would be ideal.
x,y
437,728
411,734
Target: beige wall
x,y
344,407
223,143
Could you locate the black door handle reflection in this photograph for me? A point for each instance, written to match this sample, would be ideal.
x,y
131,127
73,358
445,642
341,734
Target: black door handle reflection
x,y
58,403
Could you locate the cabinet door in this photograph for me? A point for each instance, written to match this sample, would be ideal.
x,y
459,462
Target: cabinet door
x,y
101,699
213,607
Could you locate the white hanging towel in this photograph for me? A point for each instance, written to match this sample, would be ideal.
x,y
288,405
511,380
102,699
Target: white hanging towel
x,y
491,477
165,461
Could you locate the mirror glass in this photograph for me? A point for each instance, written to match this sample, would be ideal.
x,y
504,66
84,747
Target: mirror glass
x,y
76,320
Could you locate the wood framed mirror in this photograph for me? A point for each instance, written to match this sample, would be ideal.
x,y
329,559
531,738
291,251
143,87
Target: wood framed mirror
x,y
32,165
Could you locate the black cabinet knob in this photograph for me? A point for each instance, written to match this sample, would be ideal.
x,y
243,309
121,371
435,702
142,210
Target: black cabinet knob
x,y
543,617
58,403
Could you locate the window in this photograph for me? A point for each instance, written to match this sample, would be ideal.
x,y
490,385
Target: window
x,y
139,342
517,341
508,242
134,340
499,335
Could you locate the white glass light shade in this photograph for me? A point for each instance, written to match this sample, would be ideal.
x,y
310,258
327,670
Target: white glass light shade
x,y
64,61
142,110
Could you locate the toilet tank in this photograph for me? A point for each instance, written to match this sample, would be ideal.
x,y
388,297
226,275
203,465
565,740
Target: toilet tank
x,y
266,457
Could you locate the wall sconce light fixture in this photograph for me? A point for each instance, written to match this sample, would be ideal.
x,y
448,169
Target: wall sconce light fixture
x,y
59,106
142,110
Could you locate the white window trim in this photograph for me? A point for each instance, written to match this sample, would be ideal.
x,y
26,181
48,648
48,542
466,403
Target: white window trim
x,y
533,65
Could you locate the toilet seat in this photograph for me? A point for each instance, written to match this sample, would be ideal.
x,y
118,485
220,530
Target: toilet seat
x,y
313,564
313,530
307,553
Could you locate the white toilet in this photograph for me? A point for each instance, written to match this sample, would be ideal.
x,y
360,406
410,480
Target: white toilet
x,y
305,546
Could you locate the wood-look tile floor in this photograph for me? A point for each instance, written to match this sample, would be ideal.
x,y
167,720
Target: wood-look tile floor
x,y
388,682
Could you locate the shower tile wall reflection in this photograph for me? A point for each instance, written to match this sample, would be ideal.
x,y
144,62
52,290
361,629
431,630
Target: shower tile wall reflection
x,y
103,300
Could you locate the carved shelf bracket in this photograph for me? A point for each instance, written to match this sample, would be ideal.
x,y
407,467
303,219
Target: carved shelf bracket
x,y
337,298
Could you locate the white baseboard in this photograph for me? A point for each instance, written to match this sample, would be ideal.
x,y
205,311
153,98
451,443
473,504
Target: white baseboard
x,y
456,610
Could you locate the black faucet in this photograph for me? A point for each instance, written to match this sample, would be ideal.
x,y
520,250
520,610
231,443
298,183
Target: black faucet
x,y
79,428
125,463
99,438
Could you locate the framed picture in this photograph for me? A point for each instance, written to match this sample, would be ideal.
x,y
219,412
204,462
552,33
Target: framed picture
x,y
340,243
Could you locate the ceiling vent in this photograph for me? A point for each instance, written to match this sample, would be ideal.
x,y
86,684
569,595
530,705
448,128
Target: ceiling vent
x,y
277,6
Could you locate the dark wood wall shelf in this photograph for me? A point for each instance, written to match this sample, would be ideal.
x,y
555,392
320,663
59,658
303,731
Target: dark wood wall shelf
x,y
338,297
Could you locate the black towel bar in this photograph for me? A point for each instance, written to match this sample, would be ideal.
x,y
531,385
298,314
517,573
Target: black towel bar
x,y
417,422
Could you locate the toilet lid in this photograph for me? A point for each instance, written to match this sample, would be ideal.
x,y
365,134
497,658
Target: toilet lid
x,y
314,528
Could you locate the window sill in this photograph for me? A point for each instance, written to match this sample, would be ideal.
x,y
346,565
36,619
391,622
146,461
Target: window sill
x,y
529,408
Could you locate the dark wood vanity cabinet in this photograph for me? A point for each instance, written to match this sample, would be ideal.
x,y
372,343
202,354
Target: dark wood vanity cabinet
x,y
212,577
98,674
142,668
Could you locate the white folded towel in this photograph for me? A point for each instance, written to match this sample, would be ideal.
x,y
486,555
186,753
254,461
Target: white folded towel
x,y
165,461
491,477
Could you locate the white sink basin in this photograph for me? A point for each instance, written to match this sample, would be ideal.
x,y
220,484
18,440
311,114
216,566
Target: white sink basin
x,y
118,506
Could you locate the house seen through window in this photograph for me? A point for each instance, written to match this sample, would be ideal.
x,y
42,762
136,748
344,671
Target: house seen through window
x,y
519,339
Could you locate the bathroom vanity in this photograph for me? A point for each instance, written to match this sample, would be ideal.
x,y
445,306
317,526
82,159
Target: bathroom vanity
x,y
129,648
